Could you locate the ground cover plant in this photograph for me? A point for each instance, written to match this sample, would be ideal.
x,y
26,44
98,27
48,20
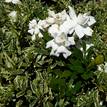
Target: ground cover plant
x,y
53,53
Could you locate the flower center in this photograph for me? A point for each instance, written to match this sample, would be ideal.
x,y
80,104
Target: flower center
x,y
61,39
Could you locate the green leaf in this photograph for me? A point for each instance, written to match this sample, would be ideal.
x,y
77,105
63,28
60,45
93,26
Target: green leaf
x,y
77,53
32,104
86,75
66,74
21,82
77,87
76,66
99,59
48,104
19,94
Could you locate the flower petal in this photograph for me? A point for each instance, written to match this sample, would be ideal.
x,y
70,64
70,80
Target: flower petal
x,y
61,38
42,24
32,24
88,31
51,13
71,39
82,20
52,44
79,30
53,30
36,30
72,12
40,35
67,26
31,31
91,20
49,44
50,20
64,51
64,15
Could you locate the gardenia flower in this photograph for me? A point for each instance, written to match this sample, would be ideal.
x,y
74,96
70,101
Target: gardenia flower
x,y
58,18
60,45
13,16
13,1
34,29
53,19
79,24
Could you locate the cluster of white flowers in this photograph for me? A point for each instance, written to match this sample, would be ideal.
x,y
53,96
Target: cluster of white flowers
x,y
59,26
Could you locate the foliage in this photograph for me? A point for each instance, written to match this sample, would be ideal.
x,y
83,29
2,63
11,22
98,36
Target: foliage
x,y
30,77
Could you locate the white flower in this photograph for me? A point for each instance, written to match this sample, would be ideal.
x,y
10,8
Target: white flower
x,y
60,45
13,16
58,18
62,39
13,1
34,29
78,24
59,36
57,50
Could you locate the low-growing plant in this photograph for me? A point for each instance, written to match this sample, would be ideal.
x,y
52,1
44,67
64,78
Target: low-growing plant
x,y
53,53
